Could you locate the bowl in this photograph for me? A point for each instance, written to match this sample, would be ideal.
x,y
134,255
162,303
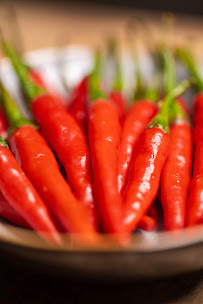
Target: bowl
x,y
150,254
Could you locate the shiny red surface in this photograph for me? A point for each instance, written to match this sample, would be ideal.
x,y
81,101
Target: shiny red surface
x,y
104,139
135,122
40,165
176,176
144,176
23,197
68,141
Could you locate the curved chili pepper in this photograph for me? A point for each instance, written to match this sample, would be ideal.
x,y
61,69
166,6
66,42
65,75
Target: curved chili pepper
x,y
176,174
23,197
10,214
40,165
195,201
135,122
78,103
148,162
61,131
104,138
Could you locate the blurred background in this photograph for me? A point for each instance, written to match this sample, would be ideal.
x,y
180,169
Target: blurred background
x,y
47,23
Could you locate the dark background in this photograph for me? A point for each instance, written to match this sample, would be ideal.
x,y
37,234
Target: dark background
x,y
177,6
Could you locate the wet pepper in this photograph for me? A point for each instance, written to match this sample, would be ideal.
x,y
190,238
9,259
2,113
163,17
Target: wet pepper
x,y
104,138
23,197
40,165
195,201
148,162
135,122
62,133
176,174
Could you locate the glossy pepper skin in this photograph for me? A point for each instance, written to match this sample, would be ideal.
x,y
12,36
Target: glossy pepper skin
x,y
60,130
104,138
3,125
20,193
10,214
78,103
176,176
67,139
134,124
40,165
144,177
195,201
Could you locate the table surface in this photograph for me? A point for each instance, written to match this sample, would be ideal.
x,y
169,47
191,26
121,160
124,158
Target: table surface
x,y
18,286
44,26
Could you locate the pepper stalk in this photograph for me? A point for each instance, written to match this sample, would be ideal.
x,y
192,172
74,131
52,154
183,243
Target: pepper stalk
x,y
12,112
161,120
31,90
188,60
95,78
117,82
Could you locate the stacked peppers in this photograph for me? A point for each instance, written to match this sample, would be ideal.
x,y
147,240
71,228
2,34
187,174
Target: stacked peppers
x,y
114,160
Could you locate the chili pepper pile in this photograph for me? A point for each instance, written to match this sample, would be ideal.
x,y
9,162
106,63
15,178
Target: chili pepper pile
x,y
101,163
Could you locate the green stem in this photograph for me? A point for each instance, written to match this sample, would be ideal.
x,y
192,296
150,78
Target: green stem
x,y
187,58
161,120
31,90
167,63
12,112
140,85
95,78
3,143
117,83
176,113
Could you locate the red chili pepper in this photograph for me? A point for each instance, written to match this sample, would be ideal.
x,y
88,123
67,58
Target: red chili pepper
x,y
3,125
10,214
135,122
23,197
104,138
78,103
148,162
195,201
61,131
176,174
40,165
